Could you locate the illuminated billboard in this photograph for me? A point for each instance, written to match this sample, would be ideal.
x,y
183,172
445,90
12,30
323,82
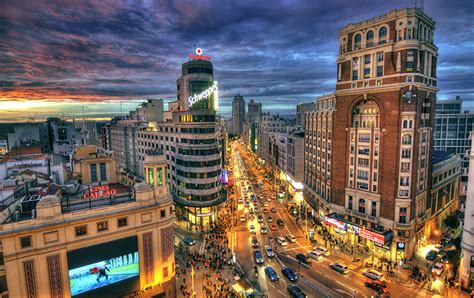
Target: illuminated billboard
x,y
108,270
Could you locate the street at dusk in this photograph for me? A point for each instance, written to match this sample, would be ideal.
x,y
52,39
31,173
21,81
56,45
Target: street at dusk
x,y
236,149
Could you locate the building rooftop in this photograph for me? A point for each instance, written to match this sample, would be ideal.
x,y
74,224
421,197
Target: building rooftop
x,y
439,156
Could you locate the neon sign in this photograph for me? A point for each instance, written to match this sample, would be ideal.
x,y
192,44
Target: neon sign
x,y
199,55
205,94
100,191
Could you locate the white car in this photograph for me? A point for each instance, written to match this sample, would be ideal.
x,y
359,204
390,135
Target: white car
x,y
323,250
268,199
252,229
269,251
373,274
280,240
290,238
242,218
240,200
265,204
263,230
438,269
317,255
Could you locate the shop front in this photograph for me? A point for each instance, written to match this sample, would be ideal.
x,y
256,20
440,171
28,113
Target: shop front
x,y
378,243
197,217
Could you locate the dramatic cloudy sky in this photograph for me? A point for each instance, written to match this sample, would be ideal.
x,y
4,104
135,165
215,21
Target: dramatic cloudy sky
x,y
66,57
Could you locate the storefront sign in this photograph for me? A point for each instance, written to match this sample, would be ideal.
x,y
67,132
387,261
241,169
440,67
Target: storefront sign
x,y
400,245
199,55
204,95
98,192
372,236
336,223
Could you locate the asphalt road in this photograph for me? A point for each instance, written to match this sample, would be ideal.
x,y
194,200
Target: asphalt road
x,y
318,280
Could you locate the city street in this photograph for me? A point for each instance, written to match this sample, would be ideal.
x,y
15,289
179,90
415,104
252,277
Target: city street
x,y
316,279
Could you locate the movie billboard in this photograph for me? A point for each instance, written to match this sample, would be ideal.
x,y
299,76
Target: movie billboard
x,y
108,270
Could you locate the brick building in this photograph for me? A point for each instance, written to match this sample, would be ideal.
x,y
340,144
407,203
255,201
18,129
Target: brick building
x,y
368,145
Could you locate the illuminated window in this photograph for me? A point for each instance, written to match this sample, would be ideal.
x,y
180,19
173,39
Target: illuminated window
x,y
81,231
102,226
159,176
403,215
151,178
361,205
165,271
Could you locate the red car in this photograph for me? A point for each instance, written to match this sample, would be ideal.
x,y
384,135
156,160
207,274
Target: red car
x,y
377,285
265,210
273,227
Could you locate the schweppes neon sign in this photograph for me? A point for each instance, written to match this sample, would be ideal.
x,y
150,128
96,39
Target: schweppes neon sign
x,y
205,94
98,192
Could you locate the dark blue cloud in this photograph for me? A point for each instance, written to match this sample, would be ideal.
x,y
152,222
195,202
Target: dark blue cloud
x,y
277,52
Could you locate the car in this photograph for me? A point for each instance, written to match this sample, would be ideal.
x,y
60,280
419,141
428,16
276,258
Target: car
x,y
373,274
263,230
260,218
268,199
251,211
269,251
255,203
258,256
271,273
296,292
188,241
269,218
273,210
288,273
240,200
339,267
273,196
377,285
260,196
303,258
280,222
323,250
252,229
438,247
242,218
265,204
256,210
446,239
291,238
438,269
247,204
255,243
265,210
273,227
280,240
317,255
431,255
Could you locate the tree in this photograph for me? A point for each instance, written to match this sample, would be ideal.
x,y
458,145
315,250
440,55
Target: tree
x,y
451,222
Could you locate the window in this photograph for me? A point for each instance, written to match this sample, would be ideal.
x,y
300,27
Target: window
x,y
361,205
349,205
25,242
380,56
406,153
364,162
102,226
81,230
364,175
406,140
367,59
366,72
159,176
403,215
357,38
404,181
93,169
383,32
162,213
379,71
405,167
370,35
122,222
374,209
355,75
103,172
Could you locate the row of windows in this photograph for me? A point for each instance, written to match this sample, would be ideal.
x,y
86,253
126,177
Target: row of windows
x,y
197,118
199,186
198,164
361,207
198,152
200,70
93,172
198,175
198,130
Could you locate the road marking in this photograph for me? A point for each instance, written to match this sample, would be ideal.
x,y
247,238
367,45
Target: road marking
x,y
284,295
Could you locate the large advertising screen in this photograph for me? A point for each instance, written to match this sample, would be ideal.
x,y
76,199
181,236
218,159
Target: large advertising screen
x,y
105,270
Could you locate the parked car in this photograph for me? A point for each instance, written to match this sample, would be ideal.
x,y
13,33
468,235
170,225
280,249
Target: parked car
x,y
317,255
273,227
296,292
263,230
291,238
242,218
302,258
288,273
280,240
188,241
269,251
373,274
271,273
431,255
323,250
340,267
377,285
258,256
280,222
438,269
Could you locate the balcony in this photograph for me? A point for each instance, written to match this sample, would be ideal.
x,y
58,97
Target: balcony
x,y
404,226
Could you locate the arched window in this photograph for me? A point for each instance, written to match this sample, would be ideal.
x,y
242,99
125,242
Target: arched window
x,y
370,35
406,140
405,124
361,206
382,32
357,38
411,124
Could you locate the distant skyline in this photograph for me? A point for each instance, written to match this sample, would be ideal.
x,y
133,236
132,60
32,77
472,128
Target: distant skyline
x,y
69,58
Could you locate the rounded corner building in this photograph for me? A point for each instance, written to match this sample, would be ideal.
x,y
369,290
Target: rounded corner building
x,y
199,148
